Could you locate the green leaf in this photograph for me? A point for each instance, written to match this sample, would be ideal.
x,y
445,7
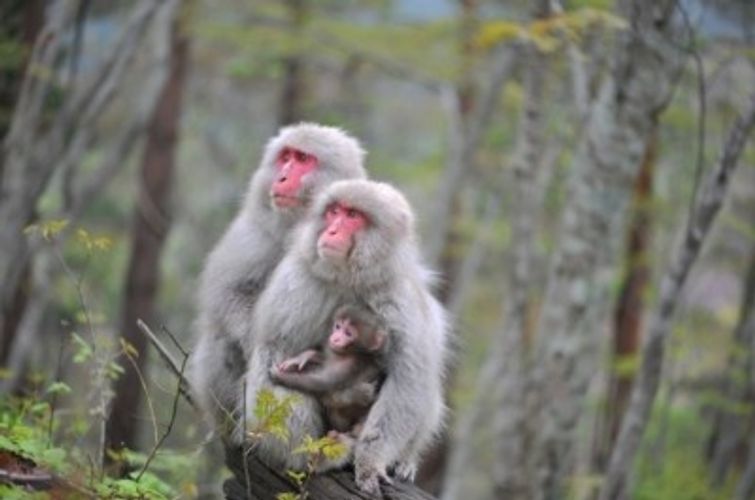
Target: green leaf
x,y
59,388
83,351
289,495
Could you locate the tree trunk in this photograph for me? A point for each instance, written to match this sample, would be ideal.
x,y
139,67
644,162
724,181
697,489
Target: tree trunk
x,y
40,142
629,309
448,260
150,228
592,221
293,93
731,426
707,204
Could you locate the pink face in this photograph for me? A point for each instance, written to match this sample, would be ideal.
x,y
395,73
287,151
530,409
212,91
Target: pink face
x,y
343,335
342,223
292,165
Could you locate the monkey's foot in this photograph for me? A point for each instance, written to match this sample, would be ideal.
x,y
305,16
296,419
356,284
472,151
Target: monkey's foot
x,y
368,479
405,470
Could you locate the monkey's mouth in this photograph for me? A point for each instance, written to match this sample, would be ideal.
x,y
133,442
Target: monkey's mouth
x,y
330,252
283,201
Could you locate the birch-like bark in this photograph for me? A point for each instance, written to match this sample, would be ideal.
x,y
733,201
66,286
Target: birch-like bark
x,y
510,472
35,148
526,166
605,165
707,205
464,139
84,189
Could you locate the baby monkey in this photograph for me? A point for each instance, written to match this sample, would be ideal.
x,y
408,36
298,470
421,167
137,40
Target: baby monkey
x,y
346,374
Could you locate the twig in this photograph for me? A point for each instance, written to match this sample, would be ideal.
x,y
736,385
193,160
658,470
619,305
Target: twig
x,y
143,383
173,413
168,358
702,109
54,400
173,338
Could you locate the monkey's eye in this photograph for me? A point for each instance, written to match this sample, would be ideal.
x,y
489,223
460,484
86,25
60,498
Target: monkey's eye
x,y
333,209
351,213
348,333
301,157
285,155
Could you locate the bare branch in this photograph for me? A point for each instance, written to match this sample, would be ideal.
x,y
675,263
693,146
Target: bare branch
x,y
168,359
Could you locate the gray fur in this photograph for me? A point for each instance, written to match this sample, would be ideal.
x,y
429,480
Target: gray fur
x,y
239,266
384,271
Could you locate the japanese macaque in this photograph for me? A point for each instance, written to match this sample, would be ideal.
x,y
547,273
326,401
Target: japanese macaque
x,y
357,244
297,164
346,373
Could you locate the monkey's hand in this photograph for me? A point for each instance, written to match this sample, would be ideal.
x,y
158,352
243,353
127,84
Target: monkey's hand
x,y
298,363
368,477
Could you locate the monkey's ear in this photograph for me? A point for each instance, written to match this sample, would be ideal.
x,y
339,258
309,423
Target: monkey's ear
x,y
378,341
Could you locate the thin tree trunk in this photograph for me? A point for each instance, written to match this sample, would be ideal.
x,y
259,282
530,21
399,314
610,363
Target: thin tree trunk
x,y
707,204
730,429
514,340
293,93
630,307
510,471
449,240
150,229
746,486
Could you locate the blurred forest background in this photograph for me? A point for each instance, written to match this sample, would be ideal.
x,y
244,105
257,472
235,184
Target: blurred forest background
x,y
581,175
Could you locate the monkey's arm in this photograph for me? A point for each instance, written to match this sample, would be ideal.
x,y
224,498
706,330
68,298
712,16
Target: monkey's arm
x,y
299,362
331,376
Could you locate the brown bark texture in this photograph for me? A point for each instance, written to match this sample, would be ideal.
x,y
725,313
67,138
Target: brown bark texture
x,y
630,306
293,92
151,224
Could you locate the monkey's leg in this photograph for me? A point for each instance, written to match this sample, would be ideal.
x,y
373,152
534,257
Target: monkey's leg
x,y
216,368
305,419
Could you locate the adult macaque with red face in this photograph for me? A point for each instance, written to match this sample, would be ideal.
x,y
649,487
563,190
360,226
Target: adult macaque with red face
x,y
345,374
297,164
356,245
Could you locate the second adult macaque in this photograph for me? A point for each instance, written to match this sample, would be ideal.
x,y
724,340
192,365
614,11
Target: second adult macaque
x,y
345,375
357,244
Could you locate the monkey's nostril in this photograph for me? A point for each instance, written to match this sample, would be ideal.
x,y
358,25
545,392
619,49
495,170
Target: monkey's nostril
x,y
282,179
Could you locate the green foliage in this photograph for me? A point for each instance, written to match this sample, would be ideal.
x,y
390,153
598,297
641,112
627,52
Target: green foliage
x,y
83,351
324,447
23,432
550,34
626,366
271,414
680,472
12,54
48,229
8,492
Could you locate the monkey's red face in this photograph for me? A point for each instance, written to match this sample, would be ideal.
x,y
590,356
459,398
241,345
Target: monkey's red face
x,y
292,165
344,334
342,223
